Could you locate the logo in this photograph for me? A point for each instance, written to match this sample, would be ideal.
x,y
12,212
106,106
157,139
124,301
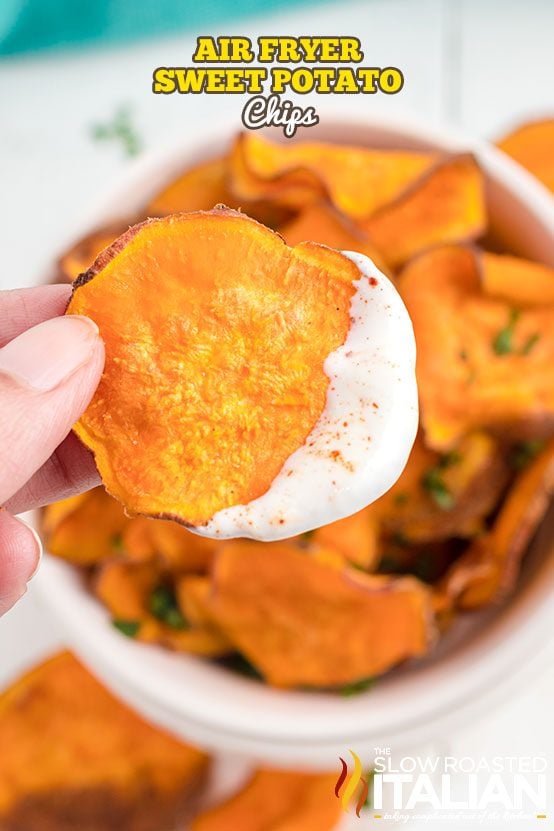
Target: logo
x,y
476,789
348,784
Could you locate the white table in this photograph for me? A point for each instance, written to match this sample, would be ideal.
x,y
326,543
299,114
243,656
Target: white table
x,y
481,65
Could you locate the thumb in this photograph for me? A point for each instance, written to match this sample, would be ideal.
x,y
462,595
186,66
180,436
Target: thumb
x,y
48,375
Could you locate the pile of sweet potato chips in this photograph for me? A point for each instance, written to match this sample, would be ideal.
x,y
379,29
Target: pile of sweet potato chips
x,y
73,757
348,602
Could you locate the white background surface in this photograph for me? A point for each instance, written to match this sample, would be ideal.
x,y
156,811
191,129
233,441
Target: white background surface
x,y
480,65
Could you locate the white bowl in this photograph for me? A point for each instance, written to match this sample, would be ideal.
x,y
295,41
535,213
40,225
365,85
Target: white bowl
x,y
413,705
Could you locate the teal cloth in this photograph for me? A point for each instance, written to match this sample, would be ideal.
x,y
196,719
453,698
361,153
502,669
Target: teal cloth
x,y
30,25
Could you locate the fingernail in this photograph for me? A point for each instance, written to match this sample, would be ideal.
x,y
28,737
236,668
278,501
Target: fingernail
x,y
44,356
39,549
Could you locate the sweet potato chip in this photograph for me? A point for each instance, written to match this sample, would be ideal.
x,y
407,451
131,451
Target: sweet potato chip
x,y
481,361
489,569
356,180
203,186
125,588
143,603
84,529
355,537
215,290
276,800
516,281
294,190
445,495
192,595
304,621
531,145
93,527
322,223
73,757
199,188
84,252
178,549
445,205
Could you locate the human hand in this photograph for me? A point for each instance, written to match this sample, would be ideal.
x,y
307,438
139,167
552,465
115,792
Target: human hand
x,y
50,367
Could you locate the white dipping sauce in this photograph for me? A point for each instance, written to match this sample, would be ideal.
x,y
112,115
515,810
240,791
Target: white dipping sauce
x,y
362,440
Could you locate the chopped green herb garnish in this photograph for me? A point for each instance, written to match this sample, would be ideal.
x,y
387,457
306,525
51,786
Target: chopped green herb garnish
x,y
463,355
524,453
129,628
502,343
306,537
356,687
433,481
400,499
163,605
121,129
437,489
449,459
530,343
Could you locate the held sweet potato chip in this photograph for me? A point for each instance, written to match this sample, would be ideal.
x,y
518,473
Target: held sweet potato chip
x,y
226,353
531,145
305,621
276,800
481,360
446,205
489,569
73,757
357,181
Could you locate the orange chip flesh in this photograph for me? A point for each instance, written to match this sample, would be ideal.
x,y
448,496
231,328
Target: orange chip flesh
x,y
355,537
480,362
321,223
294,190
84,529
446,205
176,547
92,527
532,146
440,496
198,188
126,589
276,800
488,571
357,181
304,620
216,334
517,281
75,757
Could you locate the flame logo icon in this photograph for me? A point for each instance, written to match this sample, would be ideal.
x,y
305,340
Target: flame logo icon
x,y
346,785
